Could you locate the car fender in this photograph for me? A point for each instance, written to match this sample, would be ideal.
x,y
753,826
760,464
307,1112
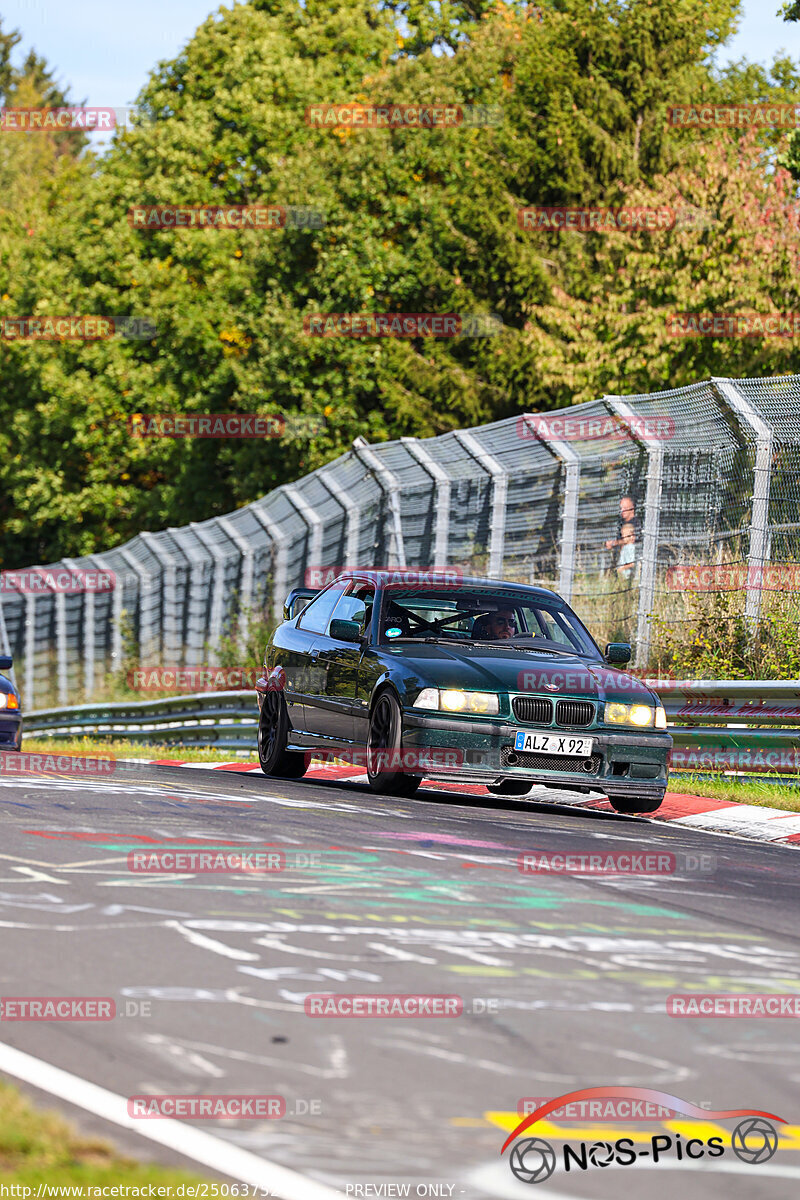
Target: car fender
x,y
385,684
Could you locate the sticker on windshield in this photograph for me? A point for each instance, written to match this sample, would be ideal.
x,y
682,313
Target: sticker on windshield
x,y
393,632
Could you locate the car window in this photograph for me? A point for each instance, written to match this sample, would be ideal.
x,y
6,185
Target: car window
x,y
349,608
315,618
467,616
366,593
552,628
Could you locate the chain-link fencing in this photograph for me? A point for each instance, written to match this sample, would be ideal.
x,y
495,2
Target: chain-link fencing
x,y
624,505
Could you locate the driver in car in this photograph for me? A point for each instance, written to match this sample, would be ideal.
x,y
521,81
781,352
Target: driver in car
x,y
501,624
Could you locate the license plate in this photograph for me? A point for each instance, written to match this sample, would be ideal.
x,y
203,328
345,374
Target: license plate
x,y
552,743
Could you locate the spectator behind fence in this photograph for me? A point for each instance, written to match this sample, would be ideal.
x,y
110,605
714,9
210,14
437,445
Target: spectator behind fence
x,y
626,559
627,516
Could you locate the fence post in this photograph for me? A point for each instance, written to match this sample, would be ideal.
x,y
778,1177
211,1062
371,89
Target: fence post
x,y
60,602
116,610
758,550
312,520
280,544
652,514
145,587
196,597
499,477
246,594
353,516
171,634
388,484
217,615
88,634
571,461
442,485
30,649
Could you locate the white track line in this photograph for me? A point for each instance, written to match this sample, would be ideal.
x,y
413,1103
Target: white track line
x,y
193,1143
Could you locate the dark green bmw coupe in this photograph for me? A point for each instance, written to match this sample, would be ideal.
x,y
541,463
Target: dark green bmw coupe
x,y
421,674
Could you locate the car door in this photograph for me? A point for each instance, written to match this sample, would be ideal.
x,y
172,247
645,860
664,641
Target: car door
x,y
331,713
303,679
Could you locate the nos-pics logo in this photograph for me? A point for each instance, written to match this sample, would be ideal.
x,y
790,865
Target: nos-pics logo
x,y
533,1159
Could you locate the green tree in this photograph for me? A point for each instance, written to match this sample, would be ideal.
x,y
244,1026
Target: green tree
x,y
416,221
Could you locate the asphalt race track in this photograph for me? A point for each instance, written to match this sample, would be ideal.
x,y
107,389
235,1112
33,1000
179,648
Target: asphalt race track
x,y
563,979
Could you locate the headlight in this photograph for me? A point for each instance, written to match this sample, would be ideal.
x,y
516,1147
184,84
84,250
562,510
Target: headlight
x,y
8,700
455,701
630,714
661,718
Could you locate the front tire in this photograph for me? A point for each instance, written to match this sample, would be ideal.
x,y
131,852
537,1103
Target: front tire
x,y
633,805
385,741
273,733
509,787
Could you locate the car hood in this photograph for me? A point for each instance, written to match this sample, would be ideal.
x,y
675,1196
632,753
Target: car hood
x,y
477,667
7,686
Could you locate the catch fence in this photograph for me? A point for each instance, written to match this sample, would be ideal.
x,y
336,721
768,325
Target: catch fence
x,y
695,487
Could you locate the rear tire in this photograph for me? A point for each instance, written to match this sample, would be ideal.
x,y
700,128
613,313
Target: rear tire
x,y
385,739
633,805
273,733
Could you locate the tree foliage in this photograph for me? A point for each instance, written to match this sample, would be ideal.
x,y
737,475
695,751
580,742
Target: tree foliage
x,y
416,220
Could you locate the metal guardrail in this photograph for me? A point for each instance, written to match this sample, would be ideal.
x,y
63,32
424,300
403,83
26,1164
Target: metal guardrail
x,y
225,719
747,726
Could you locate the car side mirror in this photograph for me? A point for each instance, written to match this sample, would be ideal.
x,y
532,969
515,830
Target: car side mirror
x,y
618,652
345,631
6,661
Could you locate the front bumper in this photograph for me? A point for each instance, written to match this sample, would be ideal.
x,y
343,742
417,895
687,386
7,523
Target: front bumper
x,y
10,729
629,764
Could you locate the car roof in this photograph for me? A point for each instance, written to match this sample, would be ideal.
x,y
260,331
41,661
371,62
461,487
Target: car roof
x,y
446,578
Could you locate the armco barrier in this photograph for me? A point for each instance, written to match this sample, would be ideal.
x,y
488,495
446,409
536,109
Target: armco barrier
x,y
225,719
755,720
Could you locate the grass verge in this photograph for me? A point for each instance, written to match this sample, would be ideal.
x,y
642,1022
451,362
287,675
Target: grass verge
x,y
40,1147
766,792
122,748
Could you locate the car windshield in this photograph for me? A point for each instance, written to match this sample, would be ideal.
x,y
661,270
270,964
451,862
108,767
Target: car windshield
x,y
520,620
